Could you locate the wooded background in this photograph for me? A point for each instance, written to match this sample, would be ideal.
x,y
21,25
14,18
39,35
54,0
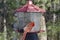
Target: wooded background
x,y
52,17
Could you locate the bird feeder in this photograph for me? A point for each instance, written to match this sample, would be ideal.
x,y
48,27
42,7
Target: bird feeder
x,y
28,13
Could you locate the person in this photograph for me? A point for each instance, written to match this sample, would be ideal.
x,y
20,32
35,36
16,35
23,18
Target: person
x,y
27,35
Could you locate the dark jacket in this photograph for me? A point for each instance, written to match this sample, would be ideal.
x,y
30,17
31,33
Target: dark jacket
x,y
30,36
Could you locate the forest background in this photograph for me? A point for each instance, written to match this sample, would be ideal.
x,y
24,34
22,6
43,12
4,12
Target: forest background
x,y
52,17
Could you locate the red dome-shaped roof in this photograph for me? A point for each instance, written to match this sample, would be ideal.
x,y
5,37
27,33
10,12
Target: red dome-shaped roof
x,y
29,7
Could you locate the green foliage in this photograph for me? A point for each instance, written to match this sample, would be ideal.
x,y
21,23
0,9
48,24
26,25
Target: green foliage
x,y
1,36
46,4
11,4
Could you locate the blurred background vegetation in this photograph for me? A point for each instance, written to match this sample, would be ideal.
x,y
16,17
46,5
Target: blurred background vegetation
x,y
52,16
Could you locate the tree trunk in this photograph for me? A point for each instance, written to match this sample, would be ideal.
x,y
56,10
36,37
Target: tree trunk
x,y
43,35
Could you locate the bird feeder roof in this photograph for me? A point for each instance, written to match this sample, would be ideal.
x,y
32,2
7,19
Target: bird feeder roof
x,y
30,7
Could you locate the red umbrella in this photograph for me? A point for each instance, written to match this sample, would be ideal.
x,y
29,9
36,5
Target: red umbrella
x,y
30,7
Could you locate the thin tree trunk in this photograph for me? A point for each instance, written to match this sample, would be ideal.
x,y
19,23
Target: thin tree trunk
x,y
5,30
5,12
43,35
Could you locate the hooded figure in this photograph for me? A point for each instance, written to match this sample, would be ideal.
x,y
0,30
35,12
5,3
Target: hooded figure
x,y
25,16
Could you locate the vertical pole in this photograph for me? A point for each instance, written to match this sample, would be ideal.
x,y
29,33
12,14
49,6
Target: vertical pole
x,y
5,33
4,12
